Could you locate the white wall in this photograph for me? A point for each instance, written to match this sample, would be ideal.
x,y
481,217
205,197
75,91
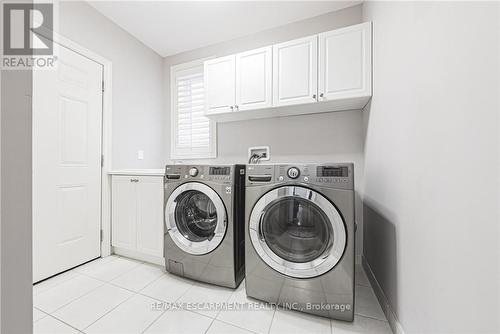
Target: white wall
x,y
1,196
16,299
16,302
431,164
1,31
137,84
312,138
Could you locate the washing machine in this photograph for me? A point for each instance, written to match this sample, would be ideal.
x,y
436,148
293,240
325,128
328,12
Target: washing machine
x,y
204,223
299,234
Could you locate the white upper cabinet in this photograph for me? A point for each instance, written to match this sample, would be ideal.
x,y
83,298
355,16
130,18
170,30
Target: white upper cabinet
x,y
331,71
295,71
254,79
345,63
219,76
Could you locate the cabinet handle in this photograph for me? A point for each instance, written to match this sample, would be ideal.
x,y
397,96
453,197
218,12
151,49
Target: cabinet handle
x,y
231,108
314,96
134,180
237,108
321,95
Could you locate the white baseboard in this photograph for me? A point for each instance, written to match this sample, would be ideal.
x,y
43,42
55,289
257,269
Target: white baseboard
x,y
138,256
382,299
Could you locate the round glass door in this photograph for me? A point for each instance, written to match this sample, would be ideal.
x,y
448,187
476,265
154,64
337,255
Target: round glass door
x,y
195,218
297,232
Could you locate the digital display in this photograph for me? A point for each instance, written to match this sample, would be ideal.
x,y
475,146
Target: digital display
x,y
325,171
219,170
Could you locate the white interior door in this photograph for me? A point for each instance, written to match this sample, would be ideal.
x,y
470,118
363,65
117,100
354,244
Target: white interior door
x,y
295,71
67,122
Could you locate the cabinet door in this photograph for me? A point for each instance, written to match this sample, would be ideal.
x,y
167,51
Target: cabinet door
x,y
150,215
345,62
295,71
219,76
253,79
124,211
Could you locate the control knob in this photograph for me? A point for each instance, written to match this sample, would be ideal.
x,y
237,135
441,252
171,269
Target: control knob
x,y
293,172
193,171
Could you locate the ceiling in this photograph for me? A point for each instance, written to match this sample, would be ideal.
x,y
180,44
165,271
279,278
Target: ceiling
x,y
171,27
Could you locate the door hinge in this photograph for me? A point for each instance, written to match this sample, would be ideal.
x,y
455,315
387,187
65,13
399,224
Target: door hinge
x,y
102,235
102,160
103,86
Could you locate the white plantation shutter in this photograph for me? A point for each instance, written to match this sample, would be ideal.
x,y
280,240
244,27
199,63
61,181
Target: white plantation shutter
x,y
193,133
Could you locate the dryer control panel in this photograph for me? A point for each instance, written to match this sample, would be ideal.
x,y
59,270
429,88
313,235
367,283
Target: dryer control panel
x,y
337,175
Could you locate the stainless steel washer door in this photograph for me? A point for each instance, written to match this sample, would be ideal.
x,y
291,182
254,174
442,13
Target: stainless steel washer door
x,y
195,218
297,231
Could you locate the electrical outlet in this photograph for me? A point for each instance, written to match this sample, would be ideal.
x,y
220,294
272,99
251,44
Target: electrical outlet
x,y
140,155
262,151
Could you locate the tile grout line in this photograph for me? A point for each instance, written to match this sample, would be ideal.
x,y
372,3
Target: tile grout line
x,y
276,310
151,324
106,313
45,314
134,293
240,327
103,284
102,259
57,319
140,293
85,294
116,285
57,284
216,317
194,312
167,309
161,300
115,277
75,271
201,313
272,320
368,317
153,281
209,326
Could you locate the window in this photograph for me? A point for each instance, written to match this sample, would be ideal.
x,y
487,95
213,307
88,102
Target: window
x,y
193,134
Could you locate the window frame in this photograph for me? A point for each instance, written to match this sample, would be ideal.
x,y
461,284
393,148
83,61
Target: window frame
x,y
175,152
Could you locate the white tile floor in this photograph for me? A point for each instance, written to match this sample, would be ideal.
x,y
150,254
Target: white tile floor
x,y
116,295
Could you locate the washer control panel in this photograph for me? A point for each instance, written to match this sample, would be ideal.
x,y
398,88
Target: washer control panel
x,y
186,173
